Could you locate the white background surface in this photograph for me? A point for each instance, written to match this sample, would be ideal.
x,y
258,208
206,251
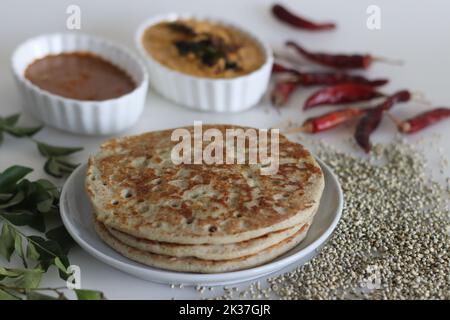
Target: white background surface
x,y
418,32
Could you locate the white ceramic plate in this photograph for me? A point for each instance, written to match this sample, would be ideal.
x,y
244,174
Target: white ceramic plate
x,y
77,215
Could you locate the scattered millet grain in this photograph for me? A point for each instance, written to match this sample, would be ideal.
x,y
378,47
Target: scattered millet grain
x,y
392,241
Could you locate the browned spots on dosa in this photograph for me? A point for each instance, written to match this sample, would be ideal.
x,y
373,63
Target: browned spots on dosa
x,y
245,199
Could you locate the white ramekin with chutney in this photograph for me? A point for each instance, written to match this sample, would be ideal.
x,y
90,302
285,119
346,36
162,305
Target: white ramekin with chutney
x,y
80,83
203,63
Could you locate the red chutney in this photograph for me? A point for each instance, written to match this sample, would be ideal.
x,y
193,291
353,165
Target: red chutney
x,y
80,76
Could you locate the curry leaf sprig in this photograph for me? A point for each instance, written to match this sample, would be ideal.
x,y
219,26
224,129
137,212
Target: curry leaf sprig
x,y
23,284
33,204
57,164
25,202
9,125
36,250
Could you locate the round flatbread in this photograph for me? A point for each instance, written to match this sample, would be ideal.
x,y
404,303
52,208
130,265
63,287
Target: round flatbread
x,y
207,251
199,265
136,188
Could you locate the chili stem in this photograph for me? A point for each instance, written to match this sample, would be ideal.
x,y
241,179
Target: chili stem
x,y
419,97
287,58
395,120
396,62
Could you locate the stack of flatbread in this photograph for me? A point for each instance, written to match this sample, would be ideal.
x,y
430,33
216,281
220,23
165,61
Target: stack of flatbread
x,y
198,217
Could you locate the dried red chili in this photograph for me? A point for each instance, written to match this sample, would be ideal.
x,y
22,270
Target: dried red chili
x,y
284,88
399,96
279,68
282,91
296,21
423,120
325,78
338,61
366,125
329,120
372,119
342,93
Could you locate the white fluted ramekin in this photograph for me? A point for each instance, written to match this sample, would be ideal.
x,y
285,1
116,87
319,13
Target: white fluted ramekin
x,y
79,116
206,94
